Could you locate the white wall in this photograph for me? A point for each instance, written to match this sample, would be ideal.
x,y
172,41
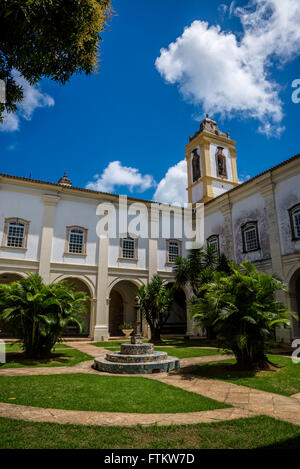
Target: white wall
x,y
252,208
29,207
287,194
72,213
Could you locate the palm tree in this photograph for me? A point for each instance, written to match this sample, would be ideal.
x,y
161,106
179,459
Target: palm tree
x,y
155,301
241,310
198,267
37,314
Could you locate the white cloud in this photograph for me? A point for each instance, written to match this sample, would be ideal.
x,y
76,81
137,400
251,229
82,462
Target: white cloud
x,y
10,122
115,175
33,99
231,77
244,178
172,188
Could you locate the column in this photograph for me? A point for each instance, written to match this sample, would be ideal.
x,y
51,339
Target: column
x,y
153,241
266,188
226,210
102,303
50,202
206,171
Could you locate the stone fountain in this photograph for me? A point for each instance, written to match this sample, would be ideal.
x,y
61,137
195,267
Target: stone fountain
x,y
136,357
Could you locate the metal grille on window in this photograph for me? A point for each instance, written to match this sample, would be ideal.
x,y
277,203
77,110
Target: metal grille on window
x,y
250,236
15,237
214,244
173,250
128,248
76,241
296,216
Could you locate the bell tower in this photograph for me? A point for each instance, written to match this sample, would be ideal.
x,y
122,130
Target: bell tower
x,y
211,163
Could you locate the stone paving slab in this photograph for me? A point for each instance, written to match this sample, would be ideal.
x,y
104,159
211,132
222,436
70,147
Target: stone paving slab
x,y
36,414
86,367
260,402
88,348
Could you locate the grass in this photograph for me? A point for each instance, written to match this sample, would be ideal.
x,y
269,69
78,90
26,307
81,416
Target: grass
x,y
18,346
181,352
101,393
171,342
285,380
251,433
59,357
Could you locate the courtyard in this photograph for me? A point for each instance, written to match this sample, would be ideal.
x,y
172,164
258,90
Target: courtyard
x,y
65,403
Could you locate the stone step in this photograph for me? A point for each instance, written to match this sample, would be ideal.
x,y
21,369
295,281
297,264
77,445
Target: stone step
x,y
171,363
126,358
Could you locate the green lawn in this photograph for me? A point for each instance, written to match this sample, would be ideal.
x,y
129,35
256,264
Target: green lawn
x,y
101,393
285,380
59,357
171,342
18,346
181,352
257,432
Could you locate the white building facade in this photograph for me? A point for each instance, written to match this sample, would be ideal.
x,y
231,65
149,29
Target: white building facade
x,y
54,229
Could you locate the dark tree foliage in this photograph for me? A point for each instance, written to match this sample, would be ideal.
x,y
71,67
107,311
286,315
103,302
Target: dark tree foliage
x,y
38,314
155,301
48,38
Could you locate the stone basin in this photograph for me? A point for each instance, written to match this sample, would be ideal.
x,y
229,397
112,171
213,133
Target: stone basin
x,y
136,359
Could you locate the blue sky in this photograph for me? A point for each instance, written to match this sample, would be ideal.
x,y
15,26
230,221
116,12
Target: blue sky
x,y
142,114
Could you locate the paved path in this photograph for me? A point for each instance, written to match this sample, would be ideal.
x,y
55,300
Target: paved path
x,y
86,367
37,414
260,402
246,402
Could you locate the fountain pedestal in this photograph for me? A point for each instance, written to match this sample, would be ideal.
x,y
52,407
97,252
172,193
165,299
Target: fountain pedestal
x,y
136,358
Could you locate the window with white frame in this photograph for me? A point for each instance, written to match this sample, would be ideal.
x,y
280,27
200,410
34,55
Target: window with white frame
x,y
213,242
173,250
250,237
295,221
15,234
128,248
76,240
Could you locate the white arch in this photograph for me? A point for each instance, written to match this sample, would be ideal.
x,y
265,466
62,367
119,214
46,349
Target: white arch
x,y
113,283
13,272
291,273
83,278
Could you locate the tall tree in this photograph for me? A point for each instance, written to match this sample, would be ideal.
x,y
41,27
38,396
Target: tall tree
x,y
155,301
48,38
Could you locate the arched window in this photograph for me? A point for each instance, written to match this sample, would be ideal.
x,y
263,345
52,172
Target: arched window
x,y
15,233
295,221
76,240
128,248
213,242
250,237
173,250
196,166
221,163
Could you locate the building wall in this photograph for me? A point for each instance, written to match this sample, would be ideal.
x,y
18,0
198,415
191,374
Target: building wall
x,y
265,199
278,253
